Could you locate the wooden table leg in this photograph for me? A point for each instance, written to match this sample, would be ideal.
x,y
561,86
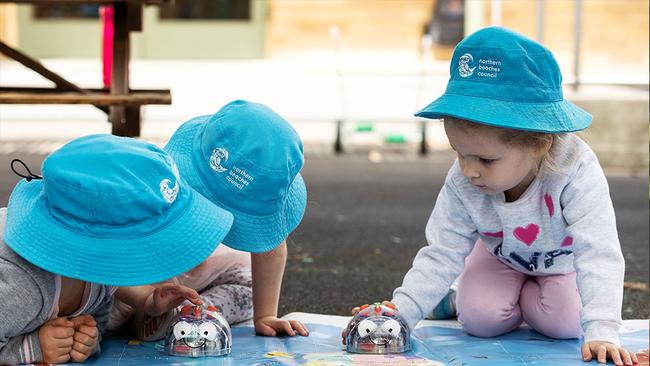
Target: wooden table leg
x,y
132,126
120,70
125,120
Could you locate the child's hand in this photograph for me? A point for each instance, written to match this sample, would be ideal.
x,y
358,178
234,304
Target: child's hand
x,y
56,338
355,310
604,350
271,325
85,338
169,296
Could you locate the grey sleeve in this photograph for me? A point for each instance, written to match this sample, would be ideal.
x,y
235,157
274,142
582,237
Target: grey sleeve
x,y
19,310
101,317
451,235
599,263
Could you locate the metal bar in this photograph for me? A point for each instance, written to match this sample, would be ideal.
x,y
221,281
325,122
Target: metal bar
x,y
424,147
338,142
495,12
540,21
577,45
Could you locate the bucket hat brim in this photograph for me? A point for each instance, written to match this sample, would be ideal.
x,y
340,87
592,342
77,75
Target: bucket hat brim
x,y
551,117
250,233
178,246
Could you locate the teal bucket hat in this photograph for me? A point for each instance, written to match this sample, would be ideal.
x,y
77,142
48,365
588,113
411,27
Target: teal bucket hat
x,y
504,79
114,211
246,159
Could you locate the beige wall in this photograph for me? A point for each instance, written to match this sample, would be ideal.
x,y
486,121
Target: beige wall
x,y
295,25
614,32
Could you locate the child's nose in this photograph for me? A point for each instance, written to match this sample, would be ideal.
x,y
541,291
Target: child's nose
x,y
470,171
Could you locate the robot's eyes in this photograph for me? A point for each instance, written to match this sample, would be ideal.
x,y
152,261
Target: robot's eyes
x,y
208,331
182,329
391,327
366,328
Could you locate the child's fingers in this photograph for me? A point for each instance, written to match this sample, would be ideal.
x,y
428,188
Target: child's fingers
x,y
60,356
82,348
64,350
188,293
85,339
302,330
602,354
61,322
355,310
586,353
616,356
287,327
195,300
63,343
62,332
635,359
85,319
91,332
263,329
181,291
77,356
175,303
625,356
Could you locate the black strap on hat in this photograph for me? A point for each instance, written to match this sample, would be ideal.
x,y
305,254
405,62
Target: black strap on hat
x,y
28,177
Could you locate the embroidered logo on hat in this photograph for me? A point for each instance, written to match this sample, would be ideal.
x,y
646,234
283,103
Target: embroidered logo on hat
x,y
218,156
463,65
169,193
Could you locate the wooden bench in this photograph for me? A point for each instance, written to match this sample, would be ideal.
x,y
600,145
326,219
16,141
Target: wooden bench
x,y
121,103
97,97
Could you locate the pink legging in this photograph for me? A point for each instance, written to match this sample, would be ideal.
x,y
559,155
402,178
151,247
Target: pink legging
x,y
494,299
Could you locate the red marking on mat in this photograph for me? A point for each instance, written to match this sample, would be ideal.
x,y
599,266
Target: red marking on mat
x,y
644,358
567,242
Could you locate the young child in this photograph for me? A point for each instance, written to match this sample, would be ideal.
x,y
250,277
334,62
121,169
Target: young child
x,y
108,211
525,212
246,159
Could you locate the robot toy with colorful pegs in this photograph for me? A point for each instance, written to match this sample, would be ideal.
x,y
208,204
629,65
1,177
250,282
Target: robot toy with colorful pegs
x,y
378,329
197,331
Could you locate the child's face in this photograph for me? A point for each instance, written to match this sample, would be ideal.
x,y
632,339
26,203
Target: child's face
x,y
491,165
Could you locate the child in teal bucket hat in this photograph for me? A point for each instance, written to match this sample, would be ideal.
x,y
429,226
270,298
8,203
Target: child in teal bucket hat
x,y
246,159
524,217
107,212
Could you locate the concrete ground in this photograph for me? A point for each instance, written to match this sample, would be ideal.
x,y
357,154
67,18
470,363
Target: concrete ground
x,y
365,222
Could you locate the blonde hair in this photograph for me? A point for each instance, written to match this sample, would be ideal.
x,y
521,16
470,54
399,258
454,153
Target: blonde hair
x,y
555,161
